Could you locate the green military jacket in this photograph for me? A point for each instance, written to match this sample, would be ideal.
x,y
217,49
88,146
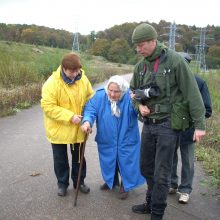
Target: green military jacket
x,y
177,84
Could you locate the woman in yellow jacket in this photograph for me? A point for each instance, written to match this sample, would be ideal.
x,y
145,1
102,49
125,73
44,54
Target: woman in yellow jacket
x,y
64,95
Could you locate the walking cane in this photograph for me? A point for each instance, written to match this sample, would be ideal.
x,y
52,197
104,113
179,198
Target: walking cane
x,y
80,168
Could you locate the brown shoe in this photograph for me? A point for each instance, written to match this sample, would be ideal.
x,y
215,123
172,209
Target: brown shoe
x,y
122,194
104,187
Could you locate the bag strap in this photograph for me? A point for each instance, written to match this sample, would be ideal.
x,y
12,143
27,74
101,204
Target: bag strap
x,y
156,64
155,69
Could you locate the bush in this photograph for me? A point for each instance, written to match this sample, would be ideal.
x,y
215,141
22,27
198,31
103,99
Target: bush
x,y
212,62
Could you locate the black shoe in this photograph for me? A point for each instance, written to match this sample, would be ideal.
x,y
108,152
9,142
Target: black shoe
x,y
142,208
84,188
61,191
104,187
156,217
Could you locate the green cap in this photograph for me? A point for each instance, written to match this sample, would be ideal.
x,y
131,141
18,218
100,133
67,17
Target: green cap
x,y
143,32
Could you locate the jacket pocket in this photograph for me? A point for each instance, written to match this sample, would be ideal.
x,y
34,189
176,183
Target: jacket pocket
x,y
180,117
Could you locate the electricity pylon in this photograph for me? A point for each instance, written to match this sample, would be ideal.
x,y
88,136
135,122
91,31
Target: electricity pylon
x,y
75,46
200,50
172,36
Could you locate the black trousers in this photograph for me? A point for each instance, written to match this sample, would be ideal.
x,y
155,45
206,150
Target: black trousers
x,y
61,164
158,142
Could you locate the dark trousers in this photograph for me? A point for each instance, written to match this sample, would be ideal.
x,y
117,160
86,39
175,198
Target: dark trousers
x,y
158,142
61,164
187,170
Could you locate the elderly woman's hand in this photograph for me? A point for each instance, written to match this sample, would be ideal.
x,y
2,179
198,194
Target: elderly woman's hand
x,y
85,127
132,95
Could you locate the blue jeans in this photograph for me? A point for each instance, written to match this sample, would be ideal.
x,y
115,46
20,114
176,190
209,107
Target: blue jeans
x,y
187,171
61,164
158,142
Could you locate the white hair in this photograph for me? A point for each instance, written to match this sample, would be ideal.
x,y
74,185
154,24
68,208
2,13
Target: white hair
x,y
121,82
123,87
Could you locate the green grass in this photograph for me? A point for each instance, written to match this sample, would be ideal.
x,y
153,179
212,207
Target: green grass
x,y
21,64
208,151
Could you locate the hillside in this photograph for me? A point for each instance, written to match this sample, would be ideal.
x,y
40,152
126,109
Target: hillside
x,y
24,67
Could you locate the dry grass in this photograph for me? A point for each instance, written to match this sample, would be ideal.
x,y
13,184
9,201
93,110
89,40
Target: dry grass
x,y
21,97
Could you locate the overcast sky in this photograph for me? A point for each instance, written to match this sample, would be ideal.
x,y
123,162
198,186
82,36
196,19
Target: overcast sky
x,y
84,16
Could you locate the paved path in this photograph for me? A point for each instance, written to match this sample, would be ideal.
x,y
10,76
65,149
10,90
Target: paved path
x,y
24,150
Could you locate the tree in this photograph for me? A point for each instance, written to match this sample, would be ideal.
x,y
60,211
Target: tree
x,y
28,36
101,47
214,51
120,51
92,37
217,33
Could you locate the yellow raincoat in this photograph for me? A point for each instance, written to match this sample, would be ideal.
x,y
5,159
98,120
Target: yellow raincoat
x,y
59,103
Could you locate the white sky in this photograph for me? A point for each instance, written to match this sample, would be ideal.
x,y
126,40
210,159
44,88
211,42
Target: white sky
x,y
84,16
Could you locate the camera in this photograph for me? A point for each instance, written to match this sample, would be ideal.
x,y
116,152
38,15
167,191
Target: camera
x,y
151,90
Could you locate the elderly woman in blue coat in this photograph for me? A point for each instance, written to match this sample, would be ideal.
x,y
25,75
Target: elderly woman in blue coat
x,y
117,135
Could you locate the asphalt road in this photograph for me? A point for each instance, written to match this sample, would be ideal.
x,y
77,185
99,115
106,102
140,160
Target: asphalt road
x,y
28,189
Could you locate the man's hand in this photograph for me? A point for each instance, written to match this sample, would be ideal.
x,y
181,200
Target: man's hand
x,y
76,119
198,135
144,110
85,127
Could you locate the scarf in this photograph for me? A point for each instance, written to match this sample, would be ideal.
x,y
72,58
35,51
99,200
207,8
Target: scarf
x,y
69,81
115,109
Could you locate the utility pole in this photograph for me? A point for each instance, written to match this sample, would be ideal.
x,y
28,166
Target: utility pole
x,y
75,46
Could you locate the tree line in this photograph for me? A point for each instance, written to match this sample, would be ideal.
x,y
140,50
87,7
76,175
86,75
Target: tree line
x,y
115,43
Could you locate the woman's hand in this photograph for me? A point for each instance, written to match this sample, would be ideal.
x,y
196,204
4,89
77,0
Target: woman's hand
x,y
132,95
76,119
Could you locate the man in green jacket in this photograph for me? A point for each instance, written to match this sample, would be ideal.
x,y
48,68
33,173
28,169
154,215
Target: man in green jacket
x,y
161,80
